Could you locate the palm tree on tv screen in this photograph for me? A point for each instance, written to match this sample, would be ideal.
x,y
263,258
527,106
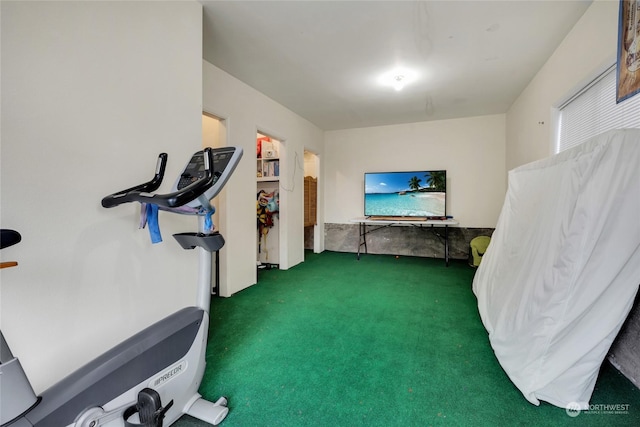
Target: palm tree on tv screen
x,y
437,180
414,183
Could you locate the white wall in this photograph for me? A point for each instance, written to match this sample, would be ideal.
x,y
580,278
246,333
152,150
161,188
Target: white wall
x,y
470,149
587,50
247,111
92,92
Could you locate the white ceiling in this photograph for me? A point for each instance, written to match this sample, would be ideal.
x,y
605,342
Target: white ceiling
x,y
322,59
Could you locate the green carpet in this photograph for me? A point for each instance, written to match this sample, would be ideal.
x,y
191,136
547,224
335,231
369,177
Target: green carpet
x,y
383,341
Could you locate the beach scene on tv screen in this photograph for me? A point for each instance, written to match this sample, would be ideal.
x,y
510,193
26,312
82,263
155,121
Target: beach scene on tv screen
x,y
413,194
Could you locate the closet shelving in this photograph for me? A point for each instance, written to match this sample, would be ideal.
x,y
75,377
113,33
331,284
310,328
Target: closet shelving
x,y
267,162
268,201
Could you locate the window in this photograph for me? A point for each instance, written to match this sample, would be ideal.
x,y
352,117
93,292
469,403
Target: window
x,y
593,111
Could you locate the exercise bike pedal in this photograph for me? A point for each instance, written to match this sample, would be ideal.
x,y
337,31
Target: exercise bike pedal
x,y
149,409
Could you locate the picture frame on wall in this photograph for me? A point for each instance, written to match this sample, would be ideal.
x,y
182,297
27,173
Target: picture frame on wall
x,y
628,60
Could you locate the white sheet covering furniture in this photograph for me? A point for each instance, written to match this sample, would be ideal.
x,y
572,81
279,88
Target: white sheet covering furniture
x,y
563,267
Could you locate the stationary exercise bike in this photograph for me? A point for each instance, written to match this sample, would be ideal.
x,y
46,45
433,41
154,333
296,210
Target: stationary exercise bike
x,y
153,377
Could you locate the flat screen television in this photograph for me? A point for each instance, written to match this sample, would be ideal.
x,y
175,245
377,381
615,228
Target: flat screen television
x,y
415,194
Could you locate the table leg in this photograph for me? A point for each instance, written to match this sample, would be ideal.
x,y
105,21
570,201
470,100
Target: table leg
x,y
446,245
362,239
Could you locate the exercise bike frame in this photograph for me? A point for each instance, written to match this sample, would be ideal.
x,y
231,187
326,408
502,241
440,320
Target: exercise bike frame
x,y
167,357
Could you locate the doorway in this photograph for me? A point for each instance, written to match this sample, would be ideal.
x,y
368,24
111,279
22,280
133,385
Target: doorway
x,y
311,231
214,135
269,151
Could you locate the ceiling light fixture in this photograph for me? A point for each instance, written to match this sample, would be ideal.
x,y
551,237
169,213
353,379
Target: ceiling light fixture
x,y
398,82
398,78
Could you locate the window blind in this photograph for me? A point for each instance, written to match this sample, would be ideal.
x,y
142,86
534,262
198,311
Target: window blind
x,y
593,111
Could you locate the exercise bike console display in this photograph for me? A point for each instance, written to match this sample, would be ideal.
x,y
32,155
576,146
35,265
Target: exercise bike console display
x,y
223,162
196,167
193,172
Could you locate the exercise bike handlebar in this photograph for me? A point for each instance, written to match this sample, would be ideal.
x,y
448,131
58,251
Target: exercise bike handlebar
x,y
127,195
142,193
9,238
